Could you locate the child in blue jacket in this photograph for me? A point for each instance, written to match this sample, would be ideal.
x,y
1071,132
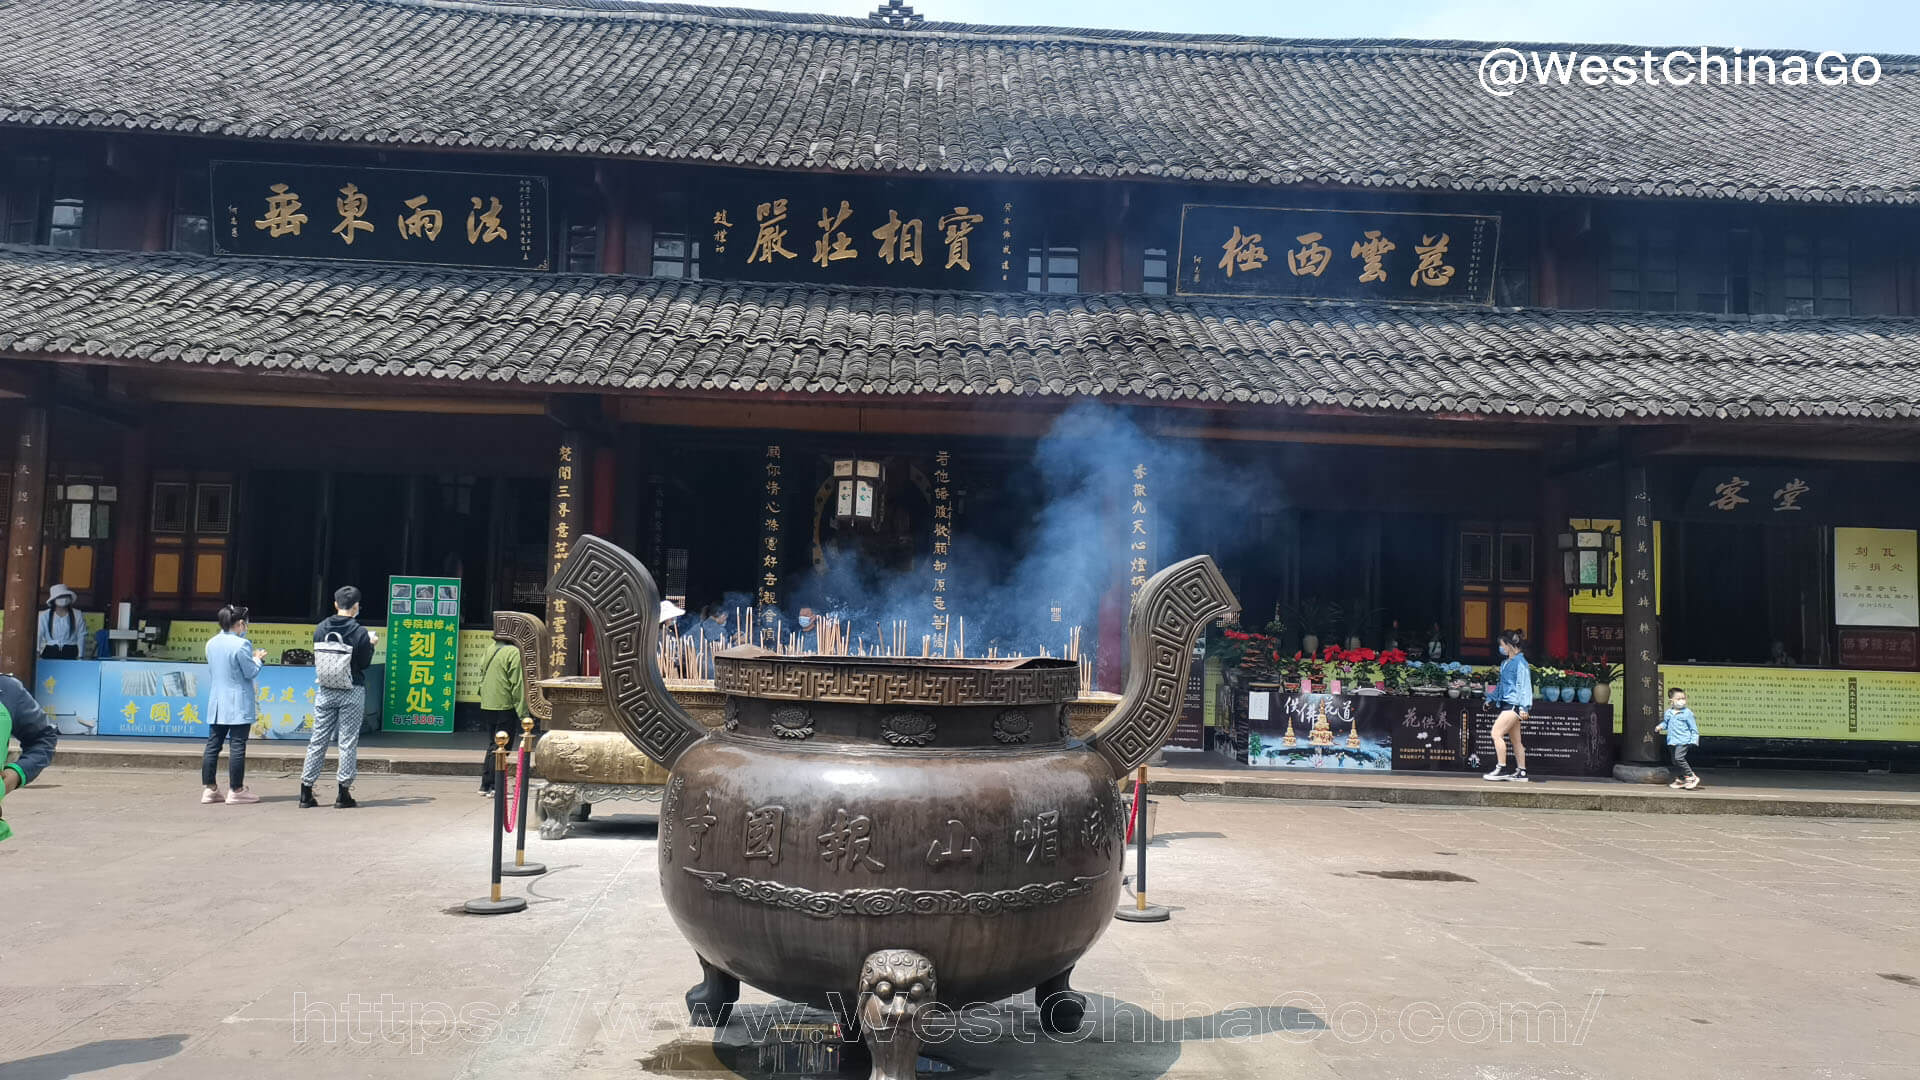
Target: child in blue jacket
x,y
1683,734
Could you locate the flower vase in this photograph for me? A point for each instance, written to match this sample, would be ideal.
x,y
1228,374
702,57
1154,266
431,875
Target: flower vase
x,y
1310,645
1586,694
1551,693
1453,691
1602,693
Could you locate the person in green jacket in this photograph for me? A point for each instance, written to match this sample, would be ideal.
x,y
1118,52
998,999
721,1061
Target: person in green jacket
x,y
503,702
21,717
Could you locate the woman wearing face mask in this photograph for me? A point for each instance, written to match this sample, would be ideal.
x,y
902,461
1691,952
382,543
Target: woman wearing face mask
x,y
62,630
1514,696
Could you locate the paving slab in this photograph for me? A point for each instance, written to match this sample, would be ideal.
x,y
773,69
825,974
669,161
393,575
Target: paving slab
x,y
152,937
1802,793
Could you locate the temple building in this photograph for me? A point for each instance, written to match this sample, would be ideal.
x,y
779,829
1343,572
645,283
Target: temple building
x,y
921,322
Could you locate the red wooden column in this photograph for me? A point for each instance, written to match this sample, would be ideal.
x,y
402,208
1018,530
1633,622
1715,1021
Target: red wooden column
x,y
130,528
1555,638
23,533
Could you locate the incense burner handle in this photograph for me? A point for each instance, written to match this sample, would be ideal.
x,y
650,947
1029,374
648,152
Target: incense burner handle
x,y
1173,609
619,596
528,633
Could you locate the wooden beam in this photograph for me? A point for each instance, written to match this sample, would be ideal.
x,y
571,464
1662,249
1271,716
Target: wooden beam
x,y
419,403
1350,438
1801,451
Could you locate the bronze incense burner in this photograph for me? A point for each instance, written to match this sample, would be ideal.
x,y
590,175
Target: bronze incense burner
x,y
872,835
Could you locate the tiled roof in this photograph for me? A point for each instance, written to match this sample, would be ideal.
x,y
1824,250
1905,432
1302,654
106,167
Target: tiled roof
x,y
632,334
677,83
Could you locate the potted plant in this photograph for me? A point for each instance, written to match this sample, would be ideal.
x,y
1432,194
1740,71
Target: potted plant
x,y
1309,615
1548,681
1605,674
1581,685
1360,622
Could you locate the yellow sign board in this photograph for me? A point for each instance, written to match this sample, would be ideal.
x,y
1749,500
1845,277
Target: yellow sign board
x,y
1799,703
1613,603
187,641
1874,575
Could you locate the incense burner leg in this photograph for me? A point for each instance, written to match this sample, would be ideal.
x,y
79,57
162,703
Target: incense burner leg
x,y
556,802
1062,1008
710,1003
895,984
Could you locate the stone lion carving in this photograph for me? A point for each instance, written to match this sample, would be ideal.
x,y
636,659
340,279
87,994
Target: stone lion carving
x,y
895,984
556,802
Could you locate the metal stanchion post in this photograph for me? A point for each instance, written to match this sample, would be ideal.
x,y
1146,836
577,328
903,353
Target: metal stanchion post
x,y
521,867
494,903
1141,911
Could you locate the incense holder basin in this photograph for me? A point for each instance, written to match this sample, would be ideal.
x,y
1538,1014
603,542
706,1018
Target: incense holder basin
x,y
873,835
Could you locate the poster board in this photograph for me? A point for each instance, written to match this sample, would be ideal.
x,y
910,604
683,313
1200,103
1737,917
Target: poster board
x,y
168,699
1799,703
1876,577
423,628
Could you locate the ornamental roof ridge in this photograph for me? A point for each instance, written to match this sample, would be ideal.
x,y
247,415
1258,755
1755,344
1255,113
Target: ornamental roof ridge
x,y
1441,48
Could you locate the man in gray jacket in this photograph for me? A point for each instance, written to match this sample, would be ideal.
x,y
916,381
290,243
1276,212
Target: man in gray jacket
x,y
22,715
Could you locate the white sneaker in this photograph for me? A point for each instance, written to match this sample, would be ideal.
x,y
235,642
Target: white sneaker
x,y
1692,782
1500,772
241,795
211,795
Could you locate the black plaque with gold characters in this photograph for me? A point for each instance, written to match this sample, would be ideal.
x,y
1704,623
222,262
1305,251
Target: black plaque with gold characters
x,y
357,214
1337,254
904,235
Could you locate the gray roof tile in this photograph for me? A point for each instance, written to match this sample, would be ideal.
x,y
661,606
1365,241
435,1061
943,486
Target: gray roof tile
x,y
630,334
669,82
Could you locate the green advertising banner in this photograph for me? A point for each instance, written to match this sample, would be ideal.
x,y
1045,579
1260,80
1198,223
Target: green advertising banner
x,y
423,655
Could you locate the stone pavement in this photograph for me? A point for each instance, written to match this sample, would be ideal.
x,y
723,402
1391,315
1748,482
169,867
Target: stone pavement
x,y
149,936
1727,791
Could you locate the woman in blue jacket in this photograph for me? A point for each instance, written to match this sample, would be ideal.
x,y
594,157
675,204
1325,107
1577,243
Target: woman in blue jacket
x,y
232,664
1514,696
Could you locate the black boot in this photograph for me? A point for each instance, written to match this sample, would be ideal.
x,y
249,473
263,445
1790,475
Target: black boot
x,y
306,796
344,800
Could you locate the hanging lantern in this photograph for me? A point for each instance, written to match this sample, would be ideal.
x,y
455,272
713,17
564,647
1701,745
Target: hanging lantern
x,y
858,486
1587,560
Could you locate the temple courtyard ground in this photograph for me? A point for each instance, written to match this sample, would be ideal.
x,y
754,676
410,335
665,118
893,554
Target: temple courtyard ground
x,y
146,935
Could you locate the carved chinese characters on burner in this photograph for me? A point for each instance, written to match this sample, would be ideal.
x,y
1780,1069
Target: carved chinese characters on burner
x,y
669,809
847,841
1038,837
763,833
697,823
955,846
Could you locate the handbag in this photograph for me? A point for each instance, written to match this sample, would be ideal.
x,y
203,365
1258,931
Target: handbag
x,y
333,663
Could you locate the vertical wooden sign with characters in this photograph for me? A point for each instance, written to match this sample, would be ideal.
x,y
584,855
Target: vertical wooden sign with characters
x,y
565,519
423,653
942,545
1139,553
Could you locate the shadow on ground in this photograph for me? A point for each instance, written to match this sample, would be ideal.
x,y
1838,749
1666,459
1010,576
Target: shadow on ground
x,y
1119,1040
93,1057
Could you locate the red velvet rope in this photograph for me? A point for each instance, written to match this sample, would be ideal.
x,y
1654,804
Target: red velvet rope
x,y
517,790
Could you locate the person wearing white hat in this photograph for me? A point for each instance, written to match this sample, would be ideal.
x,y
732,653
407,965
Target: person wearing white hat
x,y
670,612
63,631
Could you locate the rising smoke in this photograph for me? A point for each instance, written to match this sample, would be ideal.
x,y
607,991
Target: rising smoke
x,y
1074,548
